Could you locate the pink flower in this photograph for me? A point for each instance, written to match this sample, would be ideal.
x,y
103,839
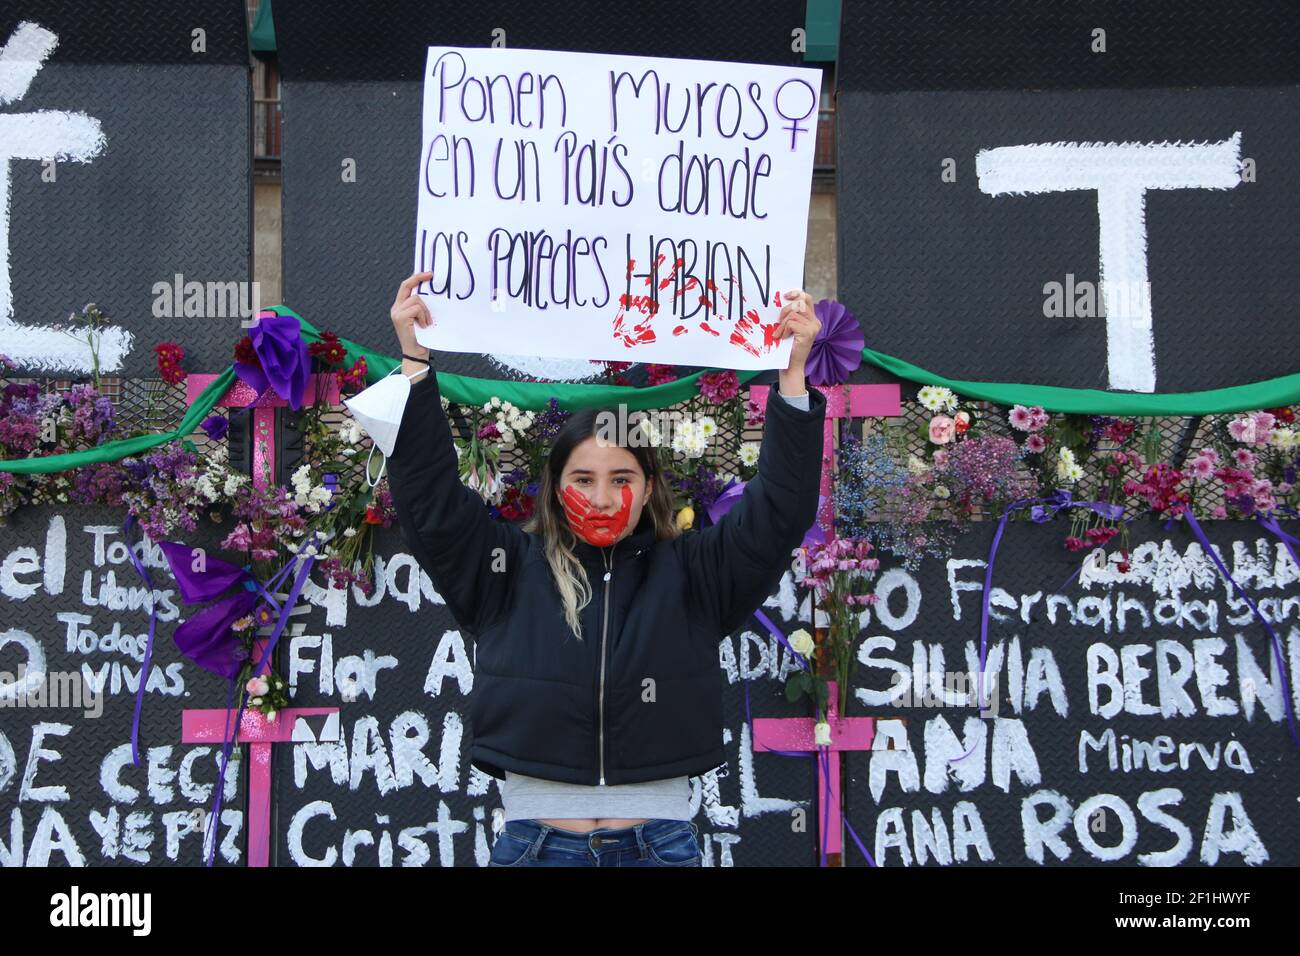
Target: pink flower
x,y
1021,418
659,374
1264,422
1244,457
1243,429
719,387
1038,418
941,429
1202,467
1036,443
1219,511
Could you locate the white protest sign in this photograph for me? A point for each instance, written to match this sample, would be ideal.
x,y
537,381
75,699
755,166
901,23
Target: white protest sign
x,y
603,207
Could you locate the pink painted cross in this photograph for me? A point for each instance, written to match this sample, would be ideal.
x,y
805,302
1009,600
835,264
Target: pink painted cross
x,y
207,726
842,401
797,733
290,725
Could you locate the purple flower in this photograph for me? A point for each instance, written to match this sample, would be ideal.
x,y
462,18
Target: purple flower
x,y
216,426
837,349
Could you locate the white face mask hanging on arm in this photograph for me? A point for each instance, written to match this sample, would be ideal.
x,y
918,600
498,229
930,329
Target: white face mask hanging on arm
x,y
378,410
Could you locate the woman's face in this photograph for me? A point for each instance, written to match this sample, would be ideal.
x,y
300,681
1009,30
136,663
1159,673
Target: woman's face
x,y
602,490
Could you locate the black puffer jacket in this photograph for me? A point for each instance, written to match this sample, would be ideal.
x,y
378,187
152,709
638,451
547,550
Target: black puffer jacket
x,y
640,696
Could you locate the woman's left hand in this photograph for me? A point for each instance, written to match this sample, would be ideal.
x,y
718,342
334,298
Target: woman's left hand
x,y
797,319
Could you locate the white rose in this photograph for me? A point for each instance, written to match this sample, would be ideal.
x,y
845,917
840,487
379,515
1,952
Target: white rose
x,y
802,642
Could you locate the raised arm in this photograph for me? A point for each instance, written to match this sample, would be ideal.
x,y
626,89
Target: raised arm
x,y
471,557
734,565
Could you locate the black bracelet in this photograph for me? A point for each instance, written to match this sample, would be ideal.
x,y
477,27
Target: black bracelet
x,y
414,359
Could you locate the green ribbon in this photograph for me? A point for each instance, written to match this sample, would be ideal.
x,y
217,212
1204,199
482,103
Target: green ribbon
x,y
534,396
1270,393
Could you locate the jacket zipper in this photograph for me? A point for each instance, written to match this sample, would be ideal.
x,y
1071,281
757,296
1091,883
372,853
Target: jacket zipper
x,y
604,632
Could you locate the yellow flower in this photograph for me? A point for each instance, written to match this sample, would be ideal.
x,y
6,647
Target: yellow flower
x,y
686,518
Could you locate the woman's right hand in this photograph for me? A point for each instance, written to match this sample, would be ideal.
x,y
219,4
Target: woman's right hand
x,y
409,310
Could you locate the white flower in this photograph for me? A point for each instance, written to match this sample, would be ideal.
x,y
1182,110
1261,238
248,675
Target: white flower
x,y
349,532
915,465
695,446
1069,470
822,734
802,642
320,494
233,484
749,454
302,478
507,435
651,432
936,398
941,491
350,431
707,427
270,716
1066,455
206,488
1283,438
496,402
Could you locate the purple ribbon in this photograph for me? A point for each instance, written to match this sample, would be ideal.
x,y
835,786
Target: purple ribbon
x,y
822,752
285,361
1277,645
148,647
732,494
304,569
204,641
1044,510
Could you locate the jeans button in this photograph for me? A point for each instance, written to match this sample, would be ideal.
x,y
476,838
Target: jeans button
x,y
595,841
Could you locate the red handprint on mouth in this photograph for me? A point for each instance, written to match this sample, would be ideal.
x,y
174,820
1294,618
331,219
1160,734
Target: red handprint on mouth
x,y
600,530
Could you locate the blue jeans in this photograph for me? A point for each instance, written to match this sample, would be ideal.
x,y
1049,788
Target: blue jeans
x,y
654,843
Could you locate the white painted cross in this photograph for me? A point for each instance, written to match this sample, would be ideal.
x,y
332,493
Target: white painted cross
x,y
43,135
1121,173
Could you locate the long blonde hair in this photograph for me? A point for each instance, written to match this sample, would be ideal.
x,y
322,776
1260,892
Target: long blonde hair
x,y
549,520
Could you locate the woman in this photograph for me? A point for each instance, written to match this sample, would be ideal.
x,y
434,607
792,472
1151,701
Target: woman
x,y
597,691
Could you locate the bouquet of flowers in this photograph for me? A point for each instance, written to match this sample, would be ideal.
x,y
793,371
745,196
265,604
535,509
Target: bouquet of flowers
x,y
839,571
